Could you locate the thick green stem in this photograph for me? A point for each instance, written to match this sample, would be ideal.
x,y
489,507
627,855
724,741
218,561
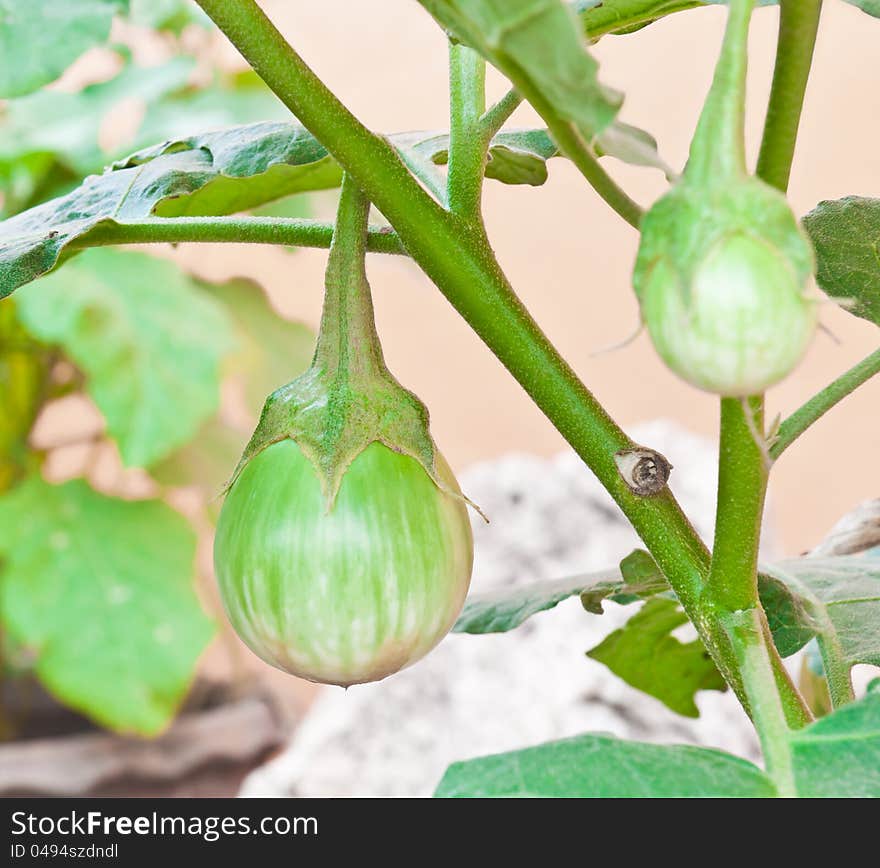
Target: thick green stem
x,y
289,231
733,576
467,141
742,486
746,629
798,26
823,401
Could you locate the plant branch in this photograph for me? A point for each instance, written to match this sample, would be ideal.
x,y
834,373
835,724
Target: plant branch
x,y
498,115
823,401
798,26
742,486
288,231
467,142
747,631
463,266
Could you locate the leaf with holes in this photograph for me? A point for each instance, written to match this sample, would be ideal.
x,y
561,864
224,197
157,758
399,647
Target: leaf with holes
x,y
149,341
100,591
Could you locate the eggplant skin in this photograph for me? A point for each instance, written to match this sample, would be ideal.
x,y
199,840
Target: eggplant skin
x,y
352,594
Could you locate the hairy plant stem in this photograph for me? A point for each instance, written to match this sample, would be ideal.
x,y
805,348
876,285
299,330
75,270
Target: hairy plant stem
x,y
285,231
732,589
455,255
498,115
467,140
823,401
798,26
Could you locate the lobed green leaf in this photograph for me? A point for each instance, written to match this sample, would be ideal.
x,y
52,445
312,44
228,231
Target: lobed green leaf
x,y
149,341
100,592
646,655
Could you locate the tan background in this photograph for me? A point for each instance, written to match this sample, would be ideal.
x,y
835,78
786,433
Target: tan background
x,y
569,256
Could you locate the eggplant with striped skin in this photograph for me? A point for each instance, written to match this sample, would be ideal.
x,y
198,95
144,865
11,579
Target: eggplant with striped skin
x,y
723,266
344,548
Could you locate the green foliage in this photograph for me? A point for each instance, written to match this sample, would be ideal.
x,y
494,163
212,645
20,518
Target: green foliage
x,y
872,7
846,237
836,756
50,140
269,350
536,44
839,755
838,601
503,610
602,766
100,592
41,38
646,655
149,341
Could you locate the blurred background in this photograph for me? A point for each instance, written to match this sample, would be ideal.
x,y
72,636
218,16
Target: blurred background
x,y
568,256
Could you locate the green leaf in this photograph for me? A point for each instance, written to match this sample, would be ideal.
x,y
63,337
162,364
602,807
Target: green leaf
x,y
41,38
872,7
839,602
602,17
846,237
221,172
172,15
149,342
646,656
271,350
101,592
839,755
500,611
538,46
602,766
206,462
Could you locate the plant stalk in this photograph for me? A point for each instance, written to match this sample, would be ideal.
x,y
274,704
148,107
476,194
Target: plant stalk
x,y
823,401
467,141
798,27
284,231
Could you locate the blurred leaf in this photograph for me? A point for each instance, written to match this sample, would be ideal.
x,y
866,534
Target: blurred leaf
x,y
57,133
149,342
840,598
205,462
537,44
41,38
846,237
602,766
872,7
505,609
101,591
646,656
788,615
839,755
271,350
173,15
